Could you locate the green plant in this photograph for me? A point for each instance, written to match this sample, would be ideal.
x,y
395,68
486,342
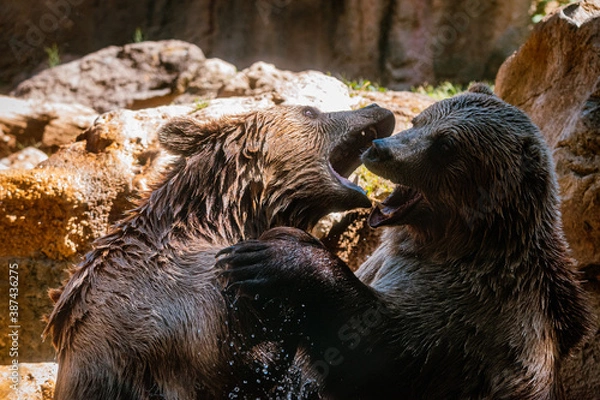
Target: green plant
x,y
441,91
444,89
377,188
540,8
138,35
199,104
363,84
53,55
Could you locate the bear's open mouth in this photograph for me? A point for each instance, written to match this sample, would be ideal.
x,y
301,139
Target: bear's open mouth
x,y
345,157
394,209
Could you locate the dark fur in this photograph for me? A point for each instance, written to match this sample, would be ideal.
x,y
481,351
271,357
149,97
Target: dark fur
x,y
143,315
471,294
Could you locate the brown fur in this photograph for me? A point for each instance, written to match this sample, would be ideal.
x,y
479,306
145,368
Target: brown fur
x,y
143,315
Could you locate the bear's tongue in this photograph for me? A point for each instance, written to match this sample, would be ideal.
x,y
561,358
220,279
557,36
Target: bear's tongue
x,y
392,210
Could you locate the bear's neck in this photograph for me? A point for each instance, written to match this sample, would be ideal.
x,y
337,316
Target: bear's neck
x,y
219,208
501,234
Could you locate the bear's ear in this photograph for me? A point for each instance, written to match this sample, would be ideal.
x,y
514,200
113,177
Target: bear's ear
x,y
181,136
482,88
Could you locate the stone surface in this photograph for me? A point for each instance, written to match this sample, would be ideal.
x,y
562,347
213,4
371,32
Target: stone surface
x,y
351,238
35,382
207,79
288,88
555,78
70,198
400,43
136,76
27,158
44,124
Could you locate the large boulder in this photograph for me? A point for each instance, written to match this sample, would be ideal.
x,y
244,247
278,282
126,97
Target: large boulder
x,y
555,78
151,74
136,76
44,124
286,87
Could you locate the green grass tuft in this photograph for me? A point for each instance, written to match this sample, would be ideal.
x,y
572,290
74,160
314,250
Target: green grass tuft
x,y
199,104
364,85
138,35
53,55
441,91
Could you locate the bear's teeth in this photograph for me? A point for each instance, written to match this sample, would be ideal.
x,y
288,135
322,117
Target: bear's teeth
x,y
383,209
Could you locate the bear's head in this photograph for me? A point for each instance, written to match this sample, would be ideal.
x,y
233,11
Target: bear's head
x,y
470,165
285,165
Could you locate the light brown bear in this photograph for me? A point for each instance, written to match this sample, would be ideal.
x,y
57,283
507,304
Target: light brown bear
x,y
143,316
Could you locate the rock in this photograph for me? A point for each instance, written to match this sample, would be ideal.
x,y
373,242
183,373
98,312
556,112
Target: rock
x,y
349,236
457,41
34,122
35,381
555,78
27,158
285,87
71,198
135,76
206,80
399,43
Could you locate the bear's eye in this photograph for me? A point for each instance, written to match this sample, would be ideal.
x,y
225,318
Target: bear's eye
x,y
310,112
443,145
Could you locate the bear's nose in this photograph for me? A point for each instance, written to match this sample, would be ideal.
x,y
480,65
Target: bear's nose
x,y
378,152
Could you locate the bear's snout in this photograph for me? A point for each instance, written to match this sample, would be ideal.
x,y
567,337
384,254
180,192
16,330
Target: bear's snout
x,y
378,152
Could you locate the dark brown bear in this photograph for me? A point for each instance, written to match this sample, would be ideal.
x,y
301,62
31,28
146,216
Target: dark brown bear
x,y
470,295
143,315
